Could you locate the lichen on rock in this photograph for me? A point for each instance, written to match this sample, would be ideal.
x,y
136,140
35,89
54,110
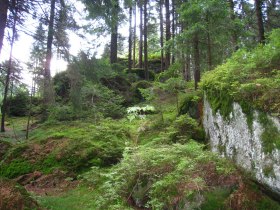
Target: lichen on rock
x,y
233,138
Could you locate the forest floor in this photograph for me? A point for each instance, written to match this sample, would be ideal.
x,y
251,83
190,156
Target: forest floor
x,y
15,129
149,163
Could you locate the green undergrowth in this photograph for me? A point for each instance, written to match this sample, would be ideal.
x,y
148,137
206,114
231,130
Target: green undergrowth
x,y
15,129
157,162
248,76
253,80
83,197
158,177
72,147
190,103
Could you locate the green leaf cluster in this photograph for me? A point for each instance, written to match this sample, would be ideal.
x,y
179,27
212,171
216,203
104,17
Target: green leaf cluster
x,y
156,177
251,77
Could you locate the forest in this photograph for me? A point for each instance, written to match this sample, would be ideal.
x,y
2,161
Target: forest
x,y
173,105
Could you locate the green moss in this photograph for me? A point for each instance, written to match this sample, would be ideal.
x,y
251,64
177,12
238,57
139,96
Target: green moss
x,y
221,148
271,135
266,203
252,76
18,150
268,171
220,101
248,110
215,199
48,164
189,104
4,148
15,168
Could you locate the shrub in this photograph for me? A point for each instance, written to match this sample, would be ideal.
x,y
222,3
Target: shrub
x,y
100,99
140,73
156,177
61,82
18,104
61,113
190,104
183,129
135,89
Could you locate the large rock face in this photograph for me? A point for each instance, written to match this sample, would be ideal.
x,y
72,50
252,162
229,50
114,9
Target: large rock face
x,y
234,138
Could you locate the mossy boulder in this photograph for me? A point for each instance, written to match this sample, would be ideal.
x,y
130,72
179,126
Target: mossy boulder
x,y
191,104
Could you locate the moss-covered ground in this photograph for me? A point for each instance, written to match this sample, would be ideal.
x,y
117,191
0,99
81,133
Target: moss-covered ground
x,y
156,162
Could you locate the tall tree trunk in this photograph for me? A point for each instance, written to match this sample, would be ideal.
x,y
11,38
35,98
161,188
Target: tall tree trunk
x,y
167,34
134,37
114,45
209,47
140,63
130,40
7,80
161,35
146,40
114,34
259,15
234,33
48,90
196,60
209,51
3,20
186,70
173,31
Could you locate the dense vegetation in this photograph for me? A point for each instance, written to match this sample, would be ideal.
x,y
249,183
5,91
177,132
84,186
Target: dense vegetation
x,y
250,77
124,130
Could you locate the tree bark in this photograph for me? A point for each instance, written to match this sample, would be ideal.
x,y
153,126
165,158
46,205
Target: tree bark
x,y
114,45
146,40
130,40
3,20
173,31
209,51
48,92
209,47
114,34
196,60
161,35
259,15
232,17
167,34
7,80
134,38
140,63
186,67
